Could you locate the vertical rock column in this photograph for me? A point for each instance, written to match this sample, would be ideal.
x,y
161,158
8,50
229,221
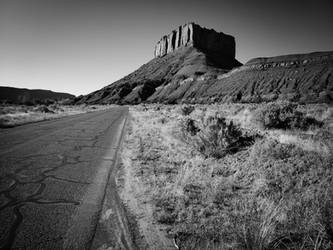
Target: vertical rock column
x,y
171,42
178,37
190,33
184,35
164,45
157,51
187,34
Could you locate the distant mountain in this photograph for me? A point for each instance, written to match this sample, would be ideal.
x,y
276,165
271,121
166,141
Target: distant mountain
x,y
30,96
197,65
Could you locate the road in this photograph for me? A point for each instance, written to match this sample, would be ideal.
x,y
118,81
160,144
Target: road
x,y
53,179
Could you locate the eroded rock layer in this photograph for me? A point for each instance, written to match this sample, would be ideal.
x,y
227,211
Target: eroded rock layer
x,y
206,40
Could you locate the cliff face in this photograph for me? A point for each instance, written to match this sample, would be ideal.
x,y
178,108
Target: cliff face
x,y
208,41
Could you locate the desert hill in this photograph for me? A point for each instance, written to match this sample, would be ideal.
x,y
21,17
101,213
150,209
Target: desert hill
x,y
305,78
197,65
30,96
152,81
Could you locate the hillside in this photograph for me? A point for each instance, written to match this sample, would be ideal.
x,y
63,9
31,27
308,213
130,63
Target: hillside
x,y
145,83
186,69
26,96
305,78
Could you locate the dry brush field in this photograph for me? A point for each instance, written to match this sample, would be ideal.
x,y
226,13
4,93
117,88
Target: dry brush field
x,y
232,176
15,115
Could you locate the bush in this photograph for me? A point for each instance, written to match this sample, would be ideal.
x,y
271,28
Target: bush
x,y
165,210
303,181
163,120
215,137
43,109
189,127
284,115
187,110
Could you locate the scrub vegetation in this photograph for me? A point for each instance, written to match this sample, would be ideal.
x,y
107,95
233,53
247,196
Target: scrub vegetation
x,y
14,115
230,176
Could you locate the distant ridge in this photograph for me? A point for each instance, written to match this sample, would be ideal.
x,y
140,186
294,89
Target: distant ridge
x,y
30,96
197,65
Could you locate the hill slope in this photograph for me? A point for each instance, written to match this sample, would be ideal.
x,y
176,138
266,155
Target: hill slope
x,y
18,95
189,75
305,78
143,84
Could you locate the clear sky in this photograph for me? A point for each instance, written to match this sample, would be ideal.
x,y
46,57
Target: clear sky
x,y
79,46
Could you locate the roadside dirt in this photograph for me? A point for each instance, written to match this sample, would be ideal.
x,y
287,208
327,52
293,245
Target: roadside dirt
x,y
134,194
117,228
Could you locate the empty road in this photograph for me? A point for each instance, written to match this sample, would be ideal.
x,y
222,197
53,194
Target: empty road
x,y
53,178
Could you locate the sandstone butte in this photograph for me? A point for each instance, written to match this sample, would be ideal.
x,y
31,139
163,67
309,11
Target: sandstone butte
x,y
197,65
191,34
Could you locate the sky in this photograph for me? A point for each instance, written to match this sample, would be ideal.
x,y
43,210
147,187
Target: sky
x,y
79,46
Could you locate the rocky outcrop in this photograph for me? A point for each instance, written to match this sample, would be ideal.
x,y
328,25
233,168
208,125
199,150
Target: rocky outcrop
x,y
197,65
191,34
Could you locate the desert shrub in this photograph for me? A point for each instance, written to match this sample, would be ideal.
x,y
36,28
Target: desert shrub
x,y
165,210
253,224
287,168
303,180
187,110
215,137
284,115
158,107
218,138
189,126
56,107
163,120
42,109
5,122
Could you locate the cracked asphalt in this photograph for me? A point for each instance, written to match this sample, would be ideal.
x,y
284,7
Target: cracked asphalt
x,y
52,179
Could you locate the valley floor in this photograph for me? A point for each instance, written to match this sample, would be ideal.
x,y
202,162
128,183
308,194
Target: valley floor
x,y
195,180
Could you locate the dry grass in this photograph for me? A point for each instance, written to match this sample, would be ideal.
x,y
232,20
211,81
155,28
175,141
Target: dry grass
x,y
269,195
14,115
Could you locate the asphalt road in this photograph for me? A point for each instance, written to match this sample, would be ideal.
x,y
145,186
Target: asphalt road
x,y
53,178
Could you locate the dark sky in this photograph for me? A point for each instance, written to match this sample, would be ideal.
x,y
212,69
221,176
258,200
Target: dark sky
x,y
79,46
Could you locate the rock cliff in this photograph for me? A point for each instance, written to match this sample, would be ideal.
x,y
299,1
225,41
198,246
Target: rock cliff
x,y
191,34
197,65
